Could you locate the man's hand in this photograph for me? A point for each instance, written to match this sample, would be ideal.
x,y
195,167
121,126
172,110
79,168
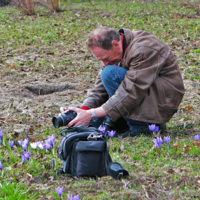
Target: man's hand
x,y
83,116
62,110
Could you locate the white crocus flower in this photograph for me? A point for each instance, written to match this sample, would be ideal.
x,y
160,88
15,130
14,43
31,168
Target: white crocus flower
x,y
40,145
33,145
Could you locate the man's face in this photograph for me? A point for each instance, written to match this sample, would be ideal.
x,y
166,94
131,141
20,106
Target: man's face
x,y
108,57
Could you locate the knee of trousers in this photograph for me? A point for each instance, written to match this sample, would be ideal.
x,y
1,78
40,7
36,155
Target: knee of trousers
x,y
106,74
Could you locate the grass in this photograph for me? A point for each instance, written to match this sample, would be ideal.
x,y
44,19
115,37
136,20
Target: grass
x,y
16,191
31,45
147,166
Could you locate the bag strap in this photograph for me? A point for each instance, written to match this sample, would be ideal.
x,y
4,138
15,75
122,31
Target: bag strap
x,y
78,129
114,169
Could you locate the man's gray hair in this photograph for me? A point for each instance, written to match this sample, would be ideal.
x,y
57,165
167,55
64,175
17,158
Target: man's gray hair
x,y
102,37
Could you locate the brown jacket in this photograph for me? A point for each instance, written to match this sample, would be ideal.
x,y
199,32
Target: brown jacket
x,y
152,88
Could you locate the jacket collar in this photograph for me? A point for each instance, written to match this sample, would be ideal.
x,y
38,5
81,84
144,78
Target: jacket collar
x,y
129,35
121,31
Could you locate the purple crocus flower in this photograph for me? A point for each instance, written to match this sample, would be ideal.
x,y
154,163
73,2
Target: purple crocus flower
x,y
166,140
196,137
24,146
23,158
156,129
111,133
26,141
52,160
158,142
71,197
20,142
0,140
23,143
47,146
26,155
59,191
76,197
11,144
152,127
52,137
49,141
102,129
1,133
1,166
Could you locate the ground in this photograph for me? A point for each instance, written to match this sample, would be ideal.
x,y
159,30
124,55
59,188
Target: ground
x,y
44,65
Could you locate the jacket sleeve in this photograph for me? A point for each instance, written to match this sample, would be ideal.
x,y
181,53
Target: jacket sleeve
x,y
97,96
144,67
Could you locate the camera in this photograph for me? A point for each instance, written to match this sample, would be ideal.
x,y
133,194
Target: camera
x,y
63,119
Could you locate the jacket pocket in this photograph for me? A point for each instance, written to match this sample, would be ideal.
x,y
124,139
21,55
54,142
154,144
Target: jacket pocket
x,y
167,94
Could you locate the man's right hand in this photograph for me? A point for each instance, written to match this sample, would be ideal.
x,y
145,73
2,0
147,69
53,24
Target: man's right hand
x,y
62,110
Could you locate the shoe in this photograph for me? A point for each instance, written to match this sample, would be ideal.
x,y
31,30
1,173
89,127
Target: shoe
x,y
120,126
163,127
108,124
131,133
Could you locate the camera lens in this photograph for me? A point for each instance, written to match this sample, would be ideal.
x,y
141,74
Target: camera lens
x,y
61,120
64,119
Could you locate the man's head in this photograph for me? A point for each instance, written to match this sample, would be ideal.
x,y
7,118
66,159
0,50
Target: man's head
x,y
105,43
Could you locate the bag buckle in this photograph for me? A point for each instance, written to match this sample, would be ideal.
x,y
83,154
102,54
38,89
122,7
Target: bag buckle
x,y
93,136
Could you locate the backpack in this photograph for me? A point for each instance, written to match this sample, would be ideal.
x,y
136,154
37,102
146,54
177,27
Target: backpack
x,y
84,153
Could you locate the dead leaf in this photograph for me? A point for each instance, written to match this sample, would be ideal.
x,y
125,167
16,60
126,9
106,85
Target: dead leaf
x,y
39,156
187,147
13,120
22,167
30,176
46,175
171,171
187,108
15,135
121,148
176,145
6,64
31,129
196,143
185,183
15,165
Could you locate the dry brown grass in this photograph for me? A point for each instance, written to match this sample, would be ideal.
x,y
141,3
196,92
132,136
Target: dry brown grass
x,y
52,5
26,6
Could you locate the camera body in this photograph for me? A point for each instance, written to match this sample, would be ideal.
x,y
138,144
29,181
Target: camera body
x,y
63,119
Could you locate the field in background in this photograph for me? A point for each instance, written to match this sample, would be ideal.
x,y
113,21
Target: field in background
x,y
44,64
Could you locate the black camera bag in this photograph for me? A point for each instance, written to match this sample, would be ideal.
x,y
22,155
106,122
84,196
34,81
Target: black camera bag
x,y
84,153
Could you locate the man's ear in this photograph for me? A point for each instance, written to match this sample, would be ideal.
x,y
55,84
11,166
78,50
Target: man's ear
x,y
115,44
